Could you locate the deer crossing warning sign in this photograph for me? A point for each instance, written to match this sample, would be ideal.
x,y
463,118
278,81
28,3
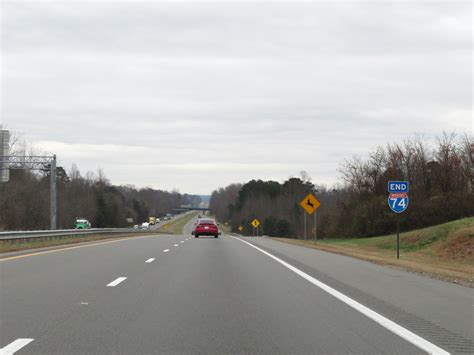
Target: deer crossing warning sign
x,y
310,204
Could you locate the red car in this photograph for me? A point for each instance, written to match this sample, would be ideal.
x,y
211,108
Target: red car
x,y
206,226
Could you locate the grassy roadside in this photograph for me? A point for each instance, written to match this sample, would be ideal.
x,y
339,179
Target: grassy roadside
x,y
176,226
444,251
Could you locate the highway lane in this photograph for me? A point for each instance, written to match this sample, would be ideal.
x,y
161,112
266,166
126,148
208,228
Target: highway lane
x,y
204,295
394,292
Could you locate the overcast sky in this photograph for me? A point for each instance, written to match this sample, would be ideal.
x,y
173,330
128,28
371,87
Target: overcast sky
x,y
195,96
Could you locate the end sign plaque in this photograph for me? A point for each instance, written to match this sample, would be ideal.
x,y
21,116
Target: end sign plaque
x,y
397,187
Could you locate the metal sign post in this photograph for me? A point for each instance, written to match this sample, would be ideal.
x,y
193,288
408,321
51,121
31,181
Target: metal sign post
x,y
315,228
4,151
398,237
398,203
304,219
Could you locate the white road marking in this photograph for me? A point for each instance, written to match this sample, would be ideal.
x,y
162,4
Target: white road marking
x,y
84,303
395,328
182,241
166,250
15,346
116,281
175,245
150,260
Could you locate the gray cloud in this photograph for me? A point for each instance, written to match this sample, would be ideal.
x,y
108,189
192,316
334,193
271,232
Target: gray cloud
x,y
155,92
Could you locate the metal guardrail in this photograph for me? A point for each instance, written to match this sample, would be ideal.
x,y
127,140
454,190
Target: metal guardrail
x,y
20,235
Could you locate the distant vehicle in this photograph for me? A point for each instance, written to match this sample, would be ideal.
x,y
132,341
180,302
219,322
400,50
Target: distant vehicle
x,y
206,226
145,225
157,220
81,223
152,220
135,226
167,217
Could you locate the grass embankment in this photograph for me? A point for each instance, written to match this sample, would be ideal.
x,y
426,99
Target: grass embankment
x,y
444,251
225,229
176,226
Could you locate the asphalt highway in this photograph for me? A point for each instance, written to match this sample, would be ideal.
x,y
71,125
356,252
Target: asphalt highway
x,y
169,294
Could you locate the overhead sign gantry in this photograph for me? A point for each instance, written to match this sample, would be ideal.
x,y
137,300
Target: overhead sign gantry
x,y
23,162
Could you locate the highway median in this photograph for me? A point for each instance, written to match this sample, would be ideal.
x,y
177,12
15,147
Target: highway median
x,y
28,243
56,239
176,226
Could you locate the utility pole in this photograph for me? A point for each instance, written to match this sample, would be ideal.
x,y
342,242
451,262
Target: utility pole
x,y
53,198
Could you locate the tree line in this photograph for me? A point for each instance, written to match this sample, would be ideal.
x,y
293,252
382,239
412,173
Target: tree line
x,y
25,202
441,189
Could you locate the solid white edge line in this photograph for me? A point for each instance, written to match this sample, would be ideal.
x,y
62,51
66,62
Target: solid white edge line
x,y
166,250
116,281
150,260
395,328
15,346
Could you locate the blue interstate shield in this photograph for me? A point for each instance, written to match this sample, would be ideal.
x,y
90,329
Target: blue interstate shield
x,y
398,202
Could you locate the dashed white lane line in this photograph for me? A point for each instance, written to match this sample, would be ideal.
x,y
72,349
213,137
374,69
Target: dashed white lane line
x,y
150,260
166,250
395,328
175,245
15,346
182,241
116,281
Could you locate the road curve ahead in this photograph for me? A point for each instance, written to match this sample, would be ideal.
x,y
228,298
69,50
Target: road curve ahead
x,y
170,294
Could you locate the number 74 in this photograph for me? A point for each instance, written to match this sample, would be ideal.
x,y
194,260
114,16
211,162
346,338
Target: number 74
x,y
401,202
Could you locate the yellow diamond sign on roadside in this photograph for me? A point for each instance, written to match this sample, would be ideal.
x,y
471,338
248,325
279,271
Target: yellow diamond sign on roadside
x,y
241,228
310,204
255,223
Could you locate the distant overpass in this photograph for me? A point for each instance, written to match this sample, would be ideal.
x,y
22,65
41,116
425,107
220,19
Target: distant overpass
x,y
190,209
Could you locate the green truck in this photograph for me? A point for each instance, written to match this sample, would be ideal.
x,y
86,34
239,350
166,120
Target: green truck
x,y
81,223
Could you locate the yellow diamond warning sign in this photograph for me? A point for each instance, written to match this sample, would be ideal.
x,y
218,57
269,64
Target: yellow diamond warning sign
x,y
310,204
255,223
